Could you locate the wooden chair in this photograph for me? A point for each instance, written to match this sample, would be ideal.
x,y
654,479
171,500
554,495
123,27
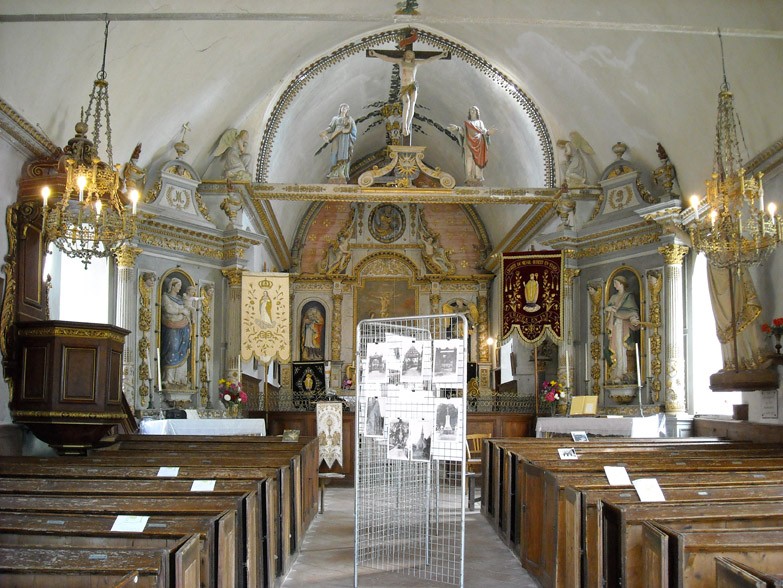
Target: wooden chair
x,y
474,443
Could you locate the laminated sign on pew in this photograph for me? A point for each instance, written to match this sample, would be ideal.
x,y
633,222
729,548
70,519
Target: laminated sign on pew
x,y
567,453
648,490
617,476
129,524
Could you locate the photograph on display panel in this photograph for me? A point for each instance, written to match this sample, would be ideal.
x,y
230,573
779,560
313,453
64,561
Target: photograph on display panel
x,y
420,438
399,435
448,436
413,362
376,363
373,425
448,357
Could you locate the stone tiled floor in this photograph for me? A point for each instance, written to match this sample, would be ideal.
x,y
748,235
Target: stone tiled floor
x,y
326,556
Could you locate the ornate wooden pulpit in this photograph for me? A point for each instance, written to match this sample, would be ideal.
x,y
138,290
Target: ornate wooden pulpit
x,y
68,385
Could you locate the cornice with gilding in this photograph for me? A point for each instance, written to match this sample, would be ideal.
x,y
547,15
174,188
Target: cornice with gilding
x,y
609,241
189,241
23,135
351,193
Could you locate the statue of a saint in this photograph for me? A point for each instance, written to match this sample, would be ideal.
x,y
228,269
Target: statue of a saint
x,y
341,135
474,138
622,331
175,329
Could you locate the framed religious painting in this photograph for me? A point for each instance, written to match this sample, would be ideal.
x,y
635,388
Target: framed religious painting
x,y
178,322
623,353
377,298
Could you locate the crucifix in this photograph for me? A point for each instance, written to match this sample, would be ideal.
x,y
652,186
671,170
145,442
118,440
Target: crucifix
x,y
408,61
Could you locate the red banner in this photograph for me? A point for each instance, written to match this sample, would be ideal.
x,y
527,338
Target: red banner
x,y
532,302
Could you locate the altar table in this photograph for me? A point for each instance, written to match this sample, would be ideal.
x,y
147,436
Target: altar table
x,y
651,426
203,427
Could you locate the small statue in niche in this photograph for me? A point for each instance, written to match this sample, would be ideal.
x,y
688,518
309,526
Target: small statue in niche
x,y
232,150
337,255
575,163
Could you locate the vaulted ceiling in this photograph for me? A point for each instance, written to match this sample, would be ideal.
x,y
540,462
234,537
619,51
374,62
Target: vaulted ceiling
x,y
628,70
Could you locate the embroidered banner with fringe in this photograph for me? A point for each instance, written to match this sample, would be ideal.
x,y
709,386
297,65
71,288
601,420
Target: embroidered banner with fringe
x,y
266,331
532,289
329,427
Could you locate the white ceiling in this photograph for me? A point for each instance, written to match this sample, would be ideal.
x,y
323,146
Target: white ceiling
x,y
635,71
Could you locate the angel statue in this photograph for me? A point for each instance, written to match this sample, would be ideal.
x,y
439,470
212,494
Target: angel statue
x,y
232,149
575,164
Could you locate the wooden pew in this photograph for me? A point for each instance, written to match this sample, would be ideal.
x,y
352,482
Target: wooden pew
x,y
675,492
306,448
686,557
303,453
275,517
289,526
622,529
230,573
731,574
73,530
34,567
267,536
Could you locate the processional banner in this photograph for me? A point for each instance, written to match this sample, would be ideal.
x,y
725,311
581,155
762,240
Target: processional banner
x,y
266,323
532,288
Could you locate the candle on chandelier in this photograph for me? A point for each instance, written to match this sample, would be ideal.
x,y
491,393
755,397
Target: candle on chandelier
x,y
46,192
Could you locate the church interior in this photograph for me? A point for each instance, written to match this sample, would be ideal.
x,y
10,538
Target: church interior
x,y
234,212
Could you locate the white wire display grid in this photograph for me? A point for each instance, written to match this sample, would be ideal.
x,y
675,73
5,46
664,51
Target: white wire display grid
x,y
410,470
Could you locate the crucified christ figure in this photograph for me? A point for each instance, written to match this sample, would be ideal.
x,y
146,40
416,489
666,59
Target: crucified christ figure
x,y
408,63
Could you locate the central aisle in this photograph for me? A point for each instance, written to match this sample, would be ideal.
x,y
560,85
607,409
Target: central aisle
x,y
326,557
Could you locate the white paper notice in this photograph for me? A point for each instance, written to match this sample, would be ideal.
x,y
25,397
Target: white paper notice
x,y
579,436
617,476
168,472
567,453
203,486
129,523
649,490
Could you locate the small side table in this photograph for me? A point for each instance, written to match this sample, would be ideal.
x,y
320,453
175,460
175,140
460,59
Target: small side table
x,y
323,480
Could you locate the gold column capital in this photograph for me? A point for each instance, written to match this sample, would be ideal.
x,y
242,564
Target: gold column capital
x,y
569,273
233,275
126,255
673,254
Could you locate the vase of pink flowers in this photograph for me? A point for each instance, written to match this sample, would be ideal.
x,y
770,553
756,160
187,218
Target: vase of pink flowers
x,y
232,396
551,393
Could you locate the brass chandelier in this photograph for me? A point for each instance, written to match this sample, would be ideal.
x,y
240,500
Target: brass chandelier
x,y
93,217
736,231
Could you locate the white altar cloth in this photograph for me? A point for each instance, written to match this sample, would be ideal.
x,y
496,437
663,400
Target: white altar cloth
x,y
651,426
203,427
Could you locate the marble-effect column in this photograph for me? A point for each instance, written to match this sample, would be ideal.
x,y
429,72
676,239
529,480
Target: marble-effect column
x,y
233,321
126,312
673,255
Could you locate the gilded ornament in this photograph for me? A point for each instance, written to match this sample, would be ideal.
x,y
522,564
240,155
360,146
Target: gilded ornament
x,y
126,256
234,276
673,254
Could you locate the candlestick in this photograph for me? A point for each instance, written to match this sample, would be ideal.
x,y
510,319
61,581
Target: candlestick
x,y
159,378
638,368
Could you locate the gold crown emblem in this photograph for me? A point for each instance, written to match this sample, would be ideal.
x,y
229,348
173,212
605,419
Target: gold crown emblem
x,y
265,283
